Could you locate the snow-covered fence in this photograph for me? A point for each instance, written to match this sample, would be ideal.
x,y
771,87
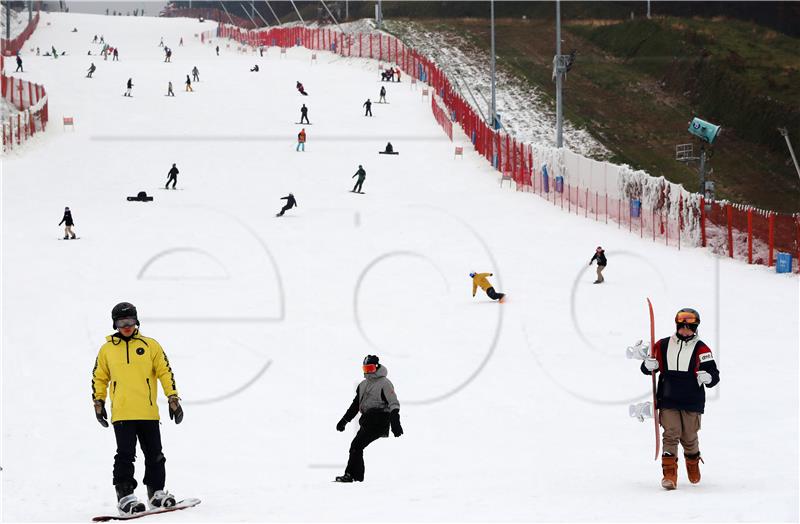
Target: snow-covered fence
x,y
441,116
25,109
14,46
646,205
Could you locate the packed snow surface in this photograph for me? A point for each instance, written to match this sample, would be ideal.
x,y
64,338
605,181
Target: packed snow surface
x,y
512,412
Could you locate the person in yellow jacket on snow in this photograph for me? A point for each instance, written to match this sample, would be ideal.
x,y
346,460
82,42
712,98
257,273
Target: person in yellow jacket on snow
x,y
480,280
128,367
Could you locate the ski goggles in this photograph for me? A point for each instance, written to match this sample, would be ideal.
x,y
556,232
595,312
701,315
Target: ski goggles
x,y
686,317
125,322
690,327
370,368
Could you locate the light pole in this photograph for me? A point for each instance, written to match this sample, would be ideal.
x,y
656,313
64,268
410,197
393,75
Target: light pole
x,y
493,108
557,64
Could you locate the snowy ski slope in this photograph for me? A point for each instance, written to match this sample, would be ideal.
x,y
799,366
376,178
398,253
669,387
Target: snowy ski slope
x,y
513,412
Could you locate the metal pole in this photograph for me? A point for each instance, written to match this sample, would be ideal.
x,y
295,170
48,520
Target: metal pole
x,y
347,9
785,134
331,15
703,170
8,20
559,79
273,12
261,17
226,12
30,11
298,12
247,14
648,9
380,15
493,108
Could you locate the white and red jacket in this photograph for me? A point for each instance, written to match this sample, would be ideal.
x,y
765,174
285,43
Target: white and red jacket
x,y
678,363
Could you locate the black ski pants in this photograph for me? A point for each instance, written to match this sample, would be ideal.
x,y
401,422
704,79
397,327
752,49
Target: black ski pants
x,y
368,112
494,295
284,209
173,179
373,427
304,117
148,434
359,183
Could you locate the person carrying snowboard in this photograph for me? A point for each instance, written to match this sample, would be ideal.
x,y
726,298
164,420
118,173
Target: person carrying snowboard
x,y
684,364
172,175
290,203
304,115
301,140
361,174
189,84
127,367
480,279
600,256
68,224
368,105
90,71
377,402
382,99
129,87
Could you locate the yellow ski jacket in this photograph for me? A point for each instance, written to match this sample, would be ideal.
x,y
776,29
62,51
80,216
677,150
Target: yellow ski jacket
x,y
480,280
129,369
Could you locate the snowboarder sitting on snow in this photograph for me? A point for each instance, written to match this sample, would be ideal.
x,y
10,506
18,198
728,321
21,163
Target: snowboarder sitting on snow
x,y
380,410
68,224
301,140
389,149
301,89
479,279
685,364
600,256
290,203
255,69
172,175
368,105
91,70
361,174
304,114
129,364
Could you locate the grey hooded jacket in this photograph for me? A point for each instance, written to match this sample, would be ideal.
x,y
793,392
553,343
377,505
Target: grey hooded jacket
x,y
374,394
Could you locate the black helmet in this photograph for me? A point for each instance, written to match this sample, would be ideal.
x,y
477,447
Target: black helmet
x,y
123,310
371,359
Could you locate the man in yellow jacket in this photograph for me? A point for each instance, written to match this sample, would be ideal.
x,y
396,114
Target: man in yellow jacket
x,y
128,366
480,280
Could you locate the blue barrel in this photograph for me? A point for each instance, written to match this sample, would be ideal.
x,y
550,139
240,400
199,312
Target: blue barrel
x,y
636,208
559,184
545,180
783,263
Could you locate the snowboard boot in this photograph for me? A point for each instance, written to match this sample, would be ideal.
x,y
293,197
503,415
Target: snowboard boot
x,y
66,237
129,505
73,237
345,478
669,466
159,498
693,467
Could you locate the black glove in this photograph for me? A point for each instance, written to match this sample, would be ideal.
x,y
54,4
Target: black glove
x,y
341,424
394,420
175,409
100,412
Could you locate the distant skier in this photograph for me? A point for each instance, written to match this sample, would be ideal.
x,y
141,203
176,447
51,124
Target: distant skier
x,y
397,72
261,51
382,99
181,42
94,41
195,74
69,233
189,84
290,203
301,89
600,256
19,65
377,402
217,50
685,364
304,115
368,105
361,174
254,69
481,280
301,140
102,39
172,175
129,364
167,54
116,55
90,71
130,86
169,89
55,53
161,43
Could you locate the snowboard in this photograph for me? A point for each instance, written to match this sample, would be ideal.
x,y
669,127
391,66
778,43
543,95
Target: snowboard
x,y
653,376
137,199
172,188
385,153
62,238
303,124
359,192
183,504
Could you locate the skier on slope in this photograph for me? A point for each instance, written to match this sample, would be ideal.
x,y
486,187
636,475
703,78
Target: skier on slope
x,y
172,175
128,365
301,140
304,114
188,84
290,203
600,256
382,99
685,364
361,174
195,74
170,92
129,87
380,410
68,224
368,105
115,55
91,70
19,65
479,279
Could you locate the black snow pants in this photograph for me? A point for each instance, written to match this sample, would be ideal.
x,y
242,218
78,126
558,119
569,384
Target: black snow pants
x,y
373,426
493,294
148,434
357,187
173,179
284,209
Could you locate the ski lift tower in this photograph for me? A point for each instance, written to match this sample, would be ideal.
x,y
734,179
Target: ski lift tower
x,y
707,132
